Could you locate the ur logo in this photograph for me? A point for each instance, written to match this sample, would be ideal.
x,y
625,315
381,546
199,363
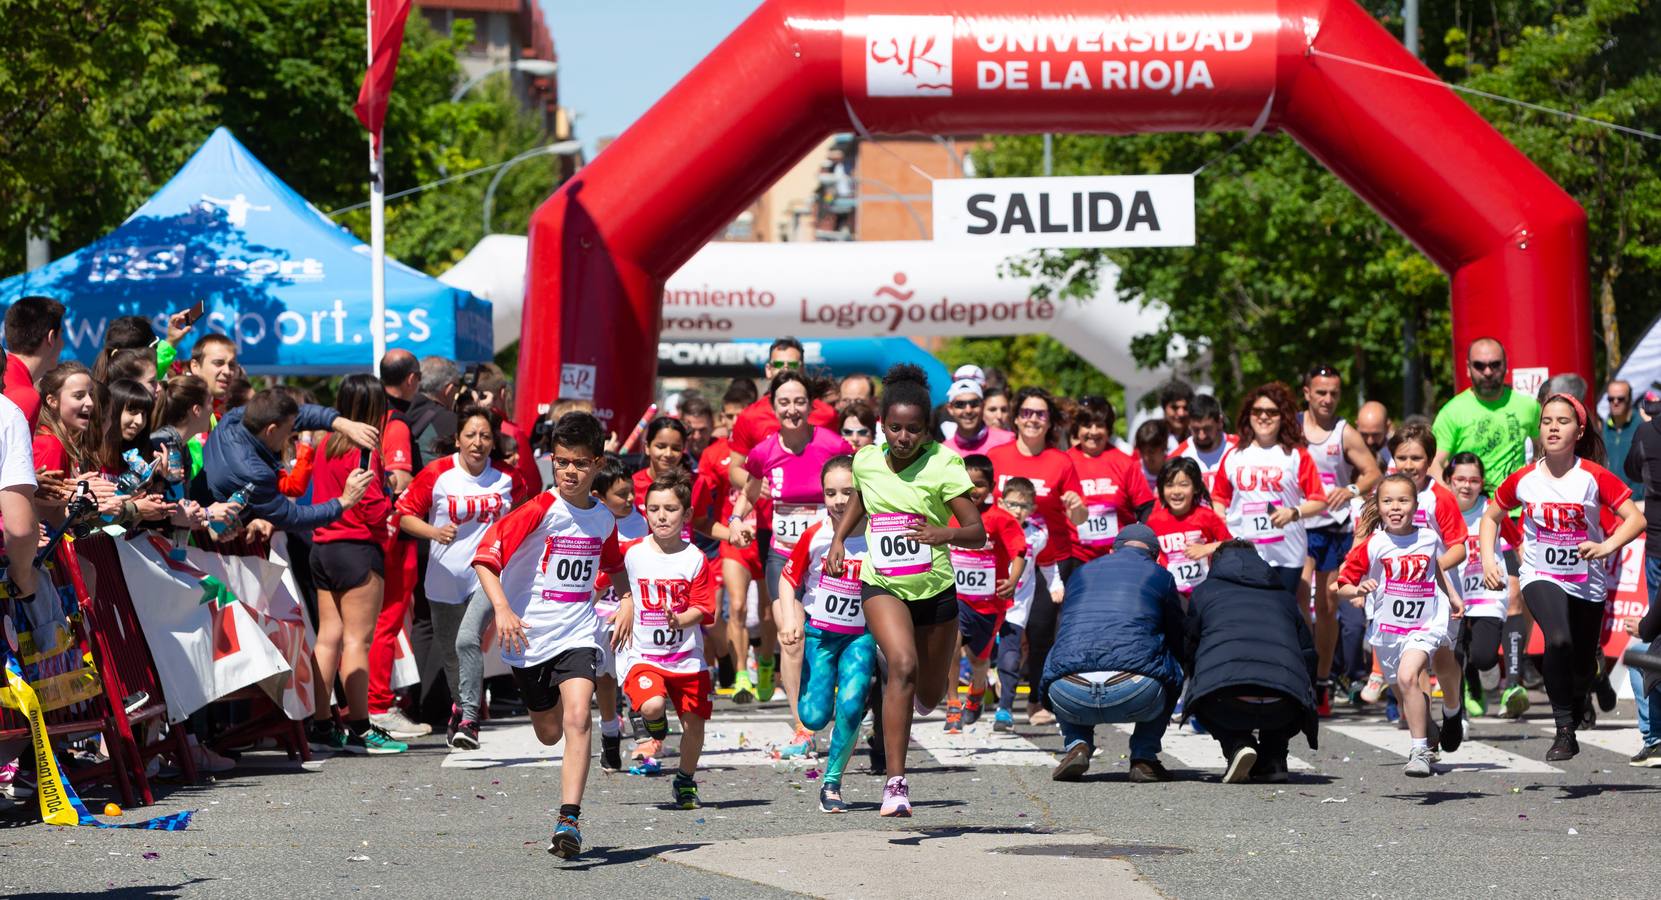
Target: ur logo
x,y
908,56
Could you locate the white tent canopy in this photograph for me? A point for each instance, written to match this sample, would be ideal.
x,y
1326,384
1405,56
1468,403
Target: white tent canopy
x,y
861,289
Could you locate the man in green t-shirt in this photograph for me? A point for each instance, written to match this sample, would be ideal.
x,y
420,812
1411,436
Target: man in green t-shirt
x,y
1489,419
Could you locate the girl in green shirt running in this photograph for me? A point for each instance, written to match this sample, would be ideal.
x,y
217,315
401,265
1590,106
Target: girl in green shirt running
x,y
905,499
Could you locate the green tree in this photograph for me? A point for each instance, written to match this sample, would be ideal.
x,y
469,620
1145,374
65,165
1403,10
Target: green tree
x,y
101,102
1291,269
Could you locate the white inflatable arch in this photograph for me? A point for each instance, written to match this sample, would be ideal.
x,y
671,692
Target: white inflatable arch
x,y
910,289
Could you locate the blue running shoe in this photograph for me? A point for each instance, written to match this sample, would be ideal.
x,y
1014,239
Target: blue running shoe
x,y
801,745
567,841
1004,721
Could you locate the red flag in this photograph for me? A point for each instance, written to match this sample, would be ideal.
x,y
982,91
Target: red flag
x,y
386,38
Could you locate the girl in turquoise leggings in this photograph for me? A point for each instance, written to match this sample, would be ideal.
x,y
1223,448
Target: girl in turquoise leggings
x,y
840,656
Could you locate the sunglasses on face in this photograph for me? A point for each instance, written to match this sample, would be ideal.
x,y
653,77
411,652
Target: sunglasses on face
x,y
1031,414
966,404
784,364
1260,412
856,432
1617,398
1482,366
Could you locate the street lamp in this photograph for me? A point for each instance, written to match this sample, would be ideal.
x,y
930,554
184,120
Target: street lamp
x,y
540,68
561,148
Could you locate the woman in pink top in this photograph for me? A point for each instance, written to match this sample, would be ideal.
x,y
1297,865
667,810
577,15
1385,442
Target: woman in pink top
x,y
788,464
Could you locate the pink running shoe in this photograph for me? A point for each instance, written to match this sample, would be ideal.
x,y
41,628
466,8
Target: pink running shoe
x,y
896,799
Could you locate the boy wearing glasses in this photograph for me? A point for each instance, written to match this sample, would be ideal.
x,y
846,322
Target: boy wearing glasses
x,y
968,432
1488,419
538,566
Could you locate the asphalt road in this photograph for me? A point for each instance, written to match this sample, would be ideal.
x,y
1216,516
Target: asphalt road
x,y
1496,822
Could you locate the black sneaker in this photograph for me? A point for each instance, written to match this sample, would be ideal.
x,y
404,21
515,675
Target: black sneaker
x,y
1605,692
466,736
1564,746
1588,714
611,752
971,714
1453,732
452,726
1647,757
686,792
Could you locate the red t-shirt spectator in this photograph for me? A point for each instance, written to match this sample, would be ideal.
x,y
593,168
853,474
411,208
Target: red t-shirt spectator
x,y
758,421
20,389
51,455
1052,474
396,447
1113,486
365,522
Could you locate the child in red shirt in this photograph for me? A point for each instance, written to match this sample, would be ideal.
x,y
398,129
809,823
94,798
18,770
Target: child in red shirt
x,y
986,580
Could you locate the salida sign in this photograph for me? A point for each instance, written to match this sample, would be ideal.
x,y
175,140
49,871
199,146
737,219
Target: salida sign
x,y
1092,211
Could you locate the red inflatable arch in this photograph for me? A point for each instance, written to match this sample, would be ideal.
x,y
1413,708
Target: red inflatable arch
x,y
1512,241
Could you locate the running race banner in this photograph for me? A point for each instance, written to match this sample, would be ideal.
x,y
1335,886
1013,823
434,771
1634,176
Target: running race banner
x,y
203,648
1086,211
268,592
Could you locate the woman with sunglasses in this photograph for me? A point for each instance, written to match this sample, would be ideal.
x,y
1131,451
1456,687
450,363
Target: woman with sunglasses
x,y
905,497
1576,515
1033,456
1269,484
1115,492
859,423
972,434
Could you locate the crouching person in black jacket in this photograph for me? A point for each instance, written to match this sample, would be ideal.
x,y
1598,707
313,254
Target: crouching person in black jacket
x,y
1252,660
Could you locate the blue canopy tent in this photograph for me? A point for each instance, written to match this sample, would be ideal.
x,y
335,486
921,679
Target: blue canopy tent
x,y
287,284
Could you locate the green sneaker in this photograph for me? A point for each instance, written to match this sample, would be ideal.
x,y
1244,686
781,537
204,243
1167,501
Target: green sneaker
x,y
686,792
764,681
742,690
1476,704
1515,701
374,742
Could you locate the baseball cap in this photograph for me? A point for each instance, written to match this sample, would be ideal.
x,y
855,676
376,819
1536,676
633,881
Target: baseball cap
x,y
965,386
1140,534
969,372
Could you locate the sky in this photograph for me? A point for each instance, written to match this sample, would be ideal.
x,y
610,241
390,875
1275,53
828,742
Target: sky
x,y
617,57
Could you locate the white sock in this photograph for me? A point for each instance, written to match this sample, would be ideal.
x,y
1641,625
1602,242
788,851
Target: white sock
x,y
1421,743
1449,708
611,727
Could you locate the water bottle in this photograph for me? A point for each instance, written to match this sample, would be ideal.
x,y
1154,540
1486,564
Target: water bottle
x,y
240,498
175,472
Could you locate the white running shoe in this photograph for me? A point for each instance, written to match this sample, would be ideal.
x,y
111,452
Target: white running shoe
x,y
398,725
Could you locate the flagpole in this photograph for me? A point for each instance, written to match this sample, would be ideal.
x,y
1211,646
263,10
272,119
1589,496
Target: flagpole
x,y
377,226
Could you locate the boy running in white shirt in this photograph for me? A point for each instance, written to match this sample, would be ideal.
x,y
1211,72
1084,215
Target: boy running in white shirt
x,y
667,599
538,566
614,487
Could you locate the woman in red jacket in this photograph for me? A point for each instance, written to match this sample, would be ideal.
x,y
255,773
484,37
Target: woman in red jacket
x,y
348,561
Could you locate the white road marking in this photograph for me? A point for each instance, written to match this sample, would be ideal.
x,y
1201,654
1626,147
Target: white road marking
x,y
1200,751
1472,756
978,745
